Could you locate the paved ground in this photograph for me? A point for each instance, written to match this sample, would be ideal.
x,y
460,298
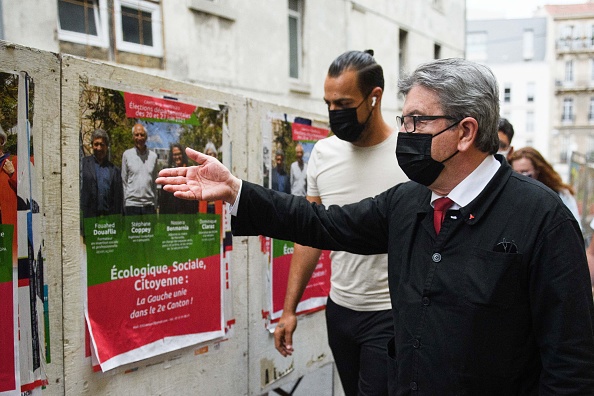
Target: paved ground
x,y
316,383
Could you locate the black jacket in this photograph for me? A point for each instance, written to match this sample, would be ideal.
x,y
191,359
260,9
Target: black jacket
x,y
89,194
500,303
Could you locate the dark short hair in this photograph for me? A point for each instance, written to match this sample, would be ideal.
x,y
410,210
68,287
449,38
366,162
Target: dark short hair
x,y
369,73
170,163
507,128
100,134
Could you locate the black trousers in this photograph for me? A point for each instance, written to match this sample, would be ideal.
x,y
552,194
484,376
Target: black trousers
x,y
358,341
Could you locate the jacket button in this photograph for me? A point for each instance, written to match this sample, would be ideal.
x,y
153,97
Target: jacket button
x,y
416,343
436,257
413,386
426,301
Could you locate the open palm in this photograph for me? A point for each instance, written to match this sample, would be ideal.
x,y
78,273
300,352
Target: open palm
x,y
209,180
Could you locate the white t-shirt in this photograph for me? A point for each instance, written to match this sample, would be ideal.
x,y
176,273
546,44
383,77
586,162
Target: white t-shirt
x,y
341,173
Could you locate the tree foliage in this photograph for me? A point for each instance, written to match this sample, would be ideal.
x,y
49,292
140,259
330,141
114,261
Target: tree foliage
x,y
106,109
9,103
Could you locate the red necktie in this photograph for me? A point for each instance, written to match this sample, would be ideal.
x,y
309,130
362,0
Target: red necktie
x,y
440,207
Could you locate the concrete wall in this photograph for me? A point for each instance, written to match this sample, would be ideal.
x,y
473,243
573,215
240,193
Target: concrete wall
x,y
230,367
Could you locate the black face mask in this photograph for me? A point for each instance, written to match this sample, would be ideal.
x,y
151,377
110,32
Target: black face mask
x,y
345,125
413,152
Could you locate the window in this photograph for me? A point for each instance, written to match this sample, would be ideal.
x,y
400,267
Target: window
x,y
507,93
569,71
83,22
577,41
591,70
138,27
591,111
590,152
530,122
436,51
295,37
567,115
402,49
476,46
566,37
528,42
591,36
563,149
530,88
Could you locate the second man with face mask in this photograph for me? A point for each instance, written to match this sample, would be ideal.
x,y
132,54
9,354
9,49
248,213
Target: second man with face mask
x,y
356,163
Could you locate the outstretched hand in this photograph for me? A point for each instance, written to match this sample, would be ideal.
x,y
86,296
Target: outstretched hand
x,y
208,181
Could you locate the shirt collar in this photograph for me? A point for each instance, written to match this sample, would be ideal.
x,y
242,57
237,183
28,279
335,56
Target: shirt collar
x,y
469,188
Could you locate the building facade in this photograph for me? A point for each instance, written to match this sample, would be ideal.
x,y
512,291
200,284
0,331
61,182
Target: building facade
x,y
572,44
516,51
271,50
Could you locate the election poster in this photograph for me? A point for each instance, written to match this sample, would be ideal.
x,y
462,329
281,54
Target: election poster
x,y
23,323
287,143
157,267
9,382
8,377
31,282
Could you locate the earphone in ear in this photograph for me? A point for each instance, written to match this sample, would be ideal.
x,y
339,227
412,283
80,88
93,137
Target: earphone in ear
x,y
373,101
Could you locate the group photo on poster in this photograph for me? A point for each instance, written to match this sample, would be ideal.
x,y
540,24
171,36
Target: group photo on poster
x,y
155,260
287,144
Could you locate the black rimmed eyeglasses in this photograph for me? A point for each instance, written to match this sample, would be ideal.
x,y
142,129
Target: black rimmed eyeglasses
x,y
410,122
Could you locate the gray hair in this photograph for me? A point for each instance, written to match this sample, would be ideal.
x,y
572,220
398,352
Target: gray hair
x,y
464,89
139,124
211,146
100,133
3,137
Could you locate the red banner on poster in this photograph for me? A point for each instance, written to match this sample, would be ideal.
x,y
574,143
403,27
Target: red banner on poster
x,y
303,132
148,107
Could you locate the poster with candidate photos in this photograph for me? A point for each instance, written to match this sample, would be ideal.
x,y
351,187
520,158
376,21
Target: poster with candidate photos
x,y
161,264
287,143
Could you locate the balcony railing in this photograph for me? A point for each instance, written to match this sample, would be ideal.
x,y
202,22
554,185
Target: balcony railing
x,y
575,43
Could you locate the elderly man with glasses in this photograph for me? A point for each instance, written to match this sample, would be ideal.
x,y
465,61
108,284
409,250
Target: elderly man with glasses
x,y
488,276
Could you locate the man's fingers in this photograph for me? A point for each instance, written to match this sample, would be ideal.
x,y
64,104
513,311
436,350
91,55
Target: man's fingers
x,y
171,180
172,172
197,156
278,339
189,194
289,341
176,187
